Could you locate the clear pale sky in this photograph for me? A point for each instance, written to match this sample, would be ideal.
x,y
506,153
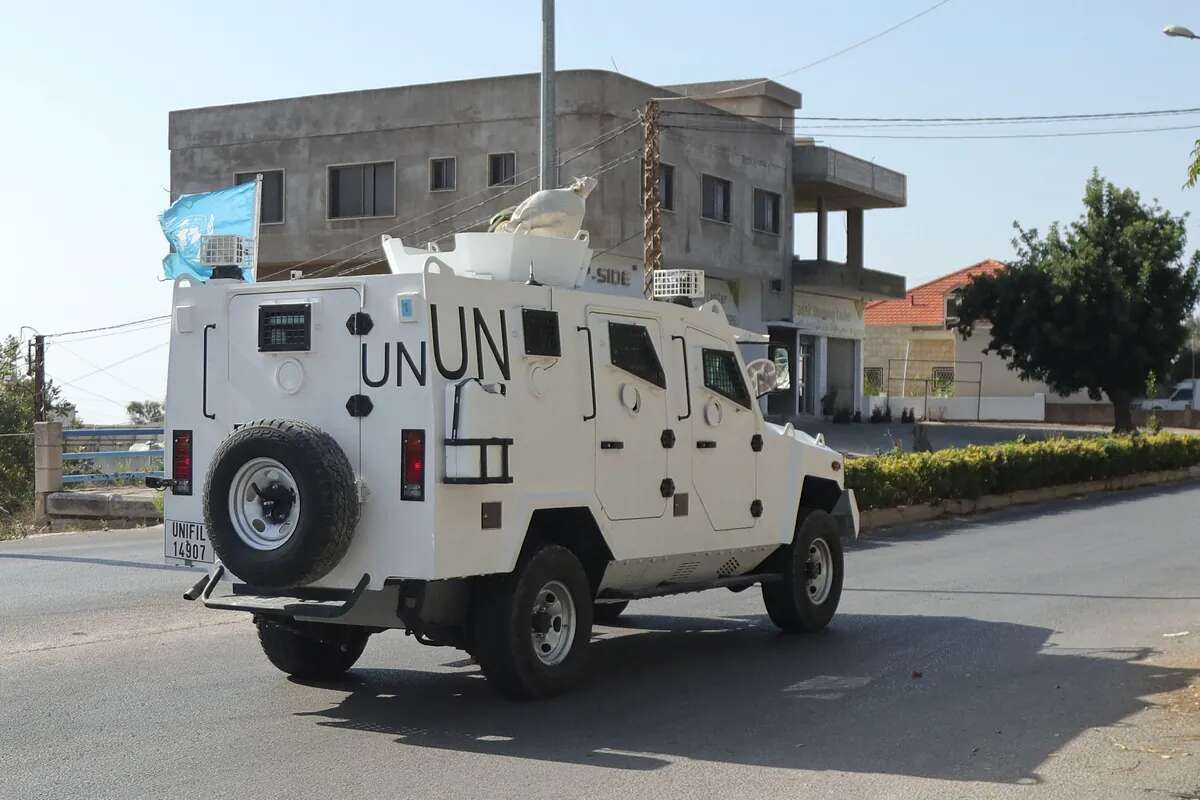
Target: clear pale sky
x,y
87,86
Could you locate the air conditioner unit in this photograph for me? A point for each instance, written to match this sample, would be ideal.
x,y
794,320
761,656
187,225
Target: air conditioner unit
x,y
225,250
673,283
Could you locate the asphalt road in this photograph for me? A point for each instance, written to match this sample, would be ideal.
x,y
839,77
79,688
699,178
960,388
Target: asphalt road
x,y
1034,653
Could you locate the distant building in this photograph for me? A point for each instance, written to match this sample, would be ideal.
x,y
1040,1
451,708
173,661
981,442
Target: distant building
x,y
912,350
421,162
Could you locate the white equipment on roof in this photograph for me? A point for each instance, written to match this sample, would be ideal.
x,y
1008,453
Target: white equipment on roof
x,y
551,212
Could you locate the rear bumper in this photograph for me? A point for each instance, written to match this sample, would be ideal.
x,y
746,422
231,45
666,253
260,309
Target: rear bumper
x,y
845,514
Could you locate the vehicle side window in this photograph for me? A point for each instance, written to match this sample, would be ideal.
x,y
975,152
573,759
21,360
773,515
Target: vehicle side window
x,y
722,375
1183,394
633,351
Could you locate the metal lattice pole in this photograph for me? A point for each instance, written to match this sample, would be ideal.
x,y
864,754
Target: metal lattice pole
x,y
651,202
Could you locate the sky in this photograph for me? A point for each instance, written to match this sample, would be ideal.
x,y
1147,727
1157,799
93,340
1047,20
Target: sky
x,y
87,86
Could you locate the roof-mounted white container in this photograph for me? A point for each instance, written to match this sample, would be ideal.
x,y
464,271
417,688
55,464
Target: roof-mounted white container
x,y
555,261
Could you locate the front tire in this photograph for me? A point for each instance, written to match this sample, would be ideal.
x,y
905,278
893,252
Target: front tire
x,y
310,650
531,628
807,597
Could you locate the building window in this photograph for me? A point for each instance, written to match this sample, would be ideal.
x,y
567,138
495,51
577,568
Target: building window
x,y
362,190
442,175
502,169
632,350
723,376
872,380
942,374
953,300
766,211
716,193
666,186
271,205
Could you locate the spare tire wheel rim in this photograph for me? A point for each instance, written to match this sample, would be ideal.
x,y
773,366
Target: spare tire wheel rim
x,y
553,623
264,504
818,571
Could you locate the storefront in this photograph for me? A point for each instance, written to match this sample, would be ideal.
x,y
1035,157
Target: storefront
x,y
824,344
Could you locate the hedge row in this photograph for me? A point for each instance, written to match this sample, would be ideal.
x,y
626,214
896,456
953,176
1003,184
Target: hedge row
x,y
899,479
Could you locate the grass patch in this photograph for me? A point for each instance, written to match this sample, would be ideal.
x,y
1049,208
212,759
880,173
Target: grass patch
x,y
902,479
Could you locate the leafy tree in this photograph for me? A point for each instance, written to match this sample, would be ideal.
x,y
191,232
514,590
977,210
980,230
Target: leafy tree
x,y
16,416
1094,305
148,412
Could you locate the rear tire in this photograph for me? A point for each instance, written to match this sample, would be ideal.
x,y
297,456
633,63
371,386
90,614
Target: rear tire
x,y
607,613
310,650
807,597
532,627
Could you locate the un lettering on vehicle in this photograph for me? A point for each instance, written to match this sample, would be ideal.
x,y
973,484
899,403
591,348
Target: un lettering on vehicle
x,y
186,541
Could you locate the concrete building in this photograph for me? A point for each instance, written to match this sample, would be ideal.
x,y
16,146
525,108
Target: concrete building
x,y
421,162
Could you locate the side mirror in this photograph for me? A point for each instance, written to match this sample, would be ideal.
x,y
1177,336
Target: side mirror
x,y
763,376
779,356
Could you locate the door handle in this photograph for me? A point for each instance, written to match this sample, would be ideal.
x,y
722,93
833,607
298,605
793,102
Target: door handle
x,y
591,372
204,379
687,381
610,444
706,444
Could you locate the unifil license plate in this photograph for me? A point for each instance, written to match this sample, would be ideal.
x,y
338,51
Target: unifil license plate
x,y
187,541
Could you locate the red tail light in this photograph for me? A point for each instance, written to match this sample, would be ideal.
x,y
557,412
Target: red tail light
x,y
412,465
181,462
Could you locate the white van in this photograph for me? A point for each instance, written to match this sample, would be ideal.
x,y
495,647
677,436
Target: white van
x,y
473,451
1182,397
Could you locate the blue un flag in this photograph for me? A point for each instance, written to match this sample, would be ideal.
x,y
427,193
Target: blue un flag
x,y
194,216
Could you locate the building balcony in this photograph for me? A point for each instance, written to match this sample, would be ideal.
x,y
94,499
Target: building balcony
x,y
836,181
834,277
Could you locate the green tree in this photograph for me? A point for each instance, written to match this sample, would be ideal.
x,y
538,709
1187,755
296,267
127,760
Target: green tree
x,y
1096,304
16,417
147,412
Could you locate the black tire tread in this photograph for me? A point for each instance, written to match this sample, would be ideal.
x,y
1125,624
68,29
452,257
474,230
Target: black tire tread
x,y
499,630
787,602
326,653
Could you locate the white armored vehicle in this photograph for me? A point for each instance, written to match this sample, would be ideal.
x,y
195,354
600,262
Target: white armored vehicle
x,y
474,451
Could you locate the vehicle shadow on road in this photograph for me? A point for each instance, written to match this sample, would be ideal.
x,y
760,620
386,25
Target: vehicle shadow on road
x,y
950,697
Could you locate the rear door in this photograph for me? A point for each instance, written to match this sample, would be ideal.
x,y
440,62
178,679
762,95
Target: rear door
x,y
631,414
292,356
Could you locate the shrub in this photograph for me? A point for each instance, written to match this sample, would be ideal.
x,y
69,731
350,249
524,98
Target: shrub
x,y
898,479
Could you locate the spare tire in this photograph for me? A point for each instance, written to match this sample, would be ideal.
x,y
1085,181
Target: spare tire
x,y
280,503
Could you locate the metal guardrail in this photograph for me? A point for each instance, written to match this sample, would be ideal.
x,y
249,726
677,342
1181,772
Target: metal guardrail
x,y
108,435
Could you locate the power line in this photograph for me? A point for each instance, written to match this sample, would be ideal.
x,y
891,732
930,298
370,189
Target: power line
x,y
86,391
608,166
113,375
945,137
121,332
584,148
110,327
820,60
139,354
1031,118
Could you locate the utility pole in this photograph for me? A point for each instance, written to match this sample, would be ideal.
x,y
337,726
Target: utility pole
x,y
37,365
651,202
548,177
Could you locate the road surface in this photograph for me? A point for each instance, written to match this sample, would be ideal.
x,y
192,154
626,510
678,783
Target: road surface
x,y
1033,653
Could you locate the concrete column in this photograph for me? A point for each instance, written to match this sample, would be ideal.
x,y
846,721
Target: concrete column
x,y
854,238
822,230
820,373
47,465
859,405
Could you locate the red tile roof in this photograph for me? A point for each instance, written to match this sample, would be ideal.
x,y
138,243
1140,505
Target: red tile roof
x,y
925,304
